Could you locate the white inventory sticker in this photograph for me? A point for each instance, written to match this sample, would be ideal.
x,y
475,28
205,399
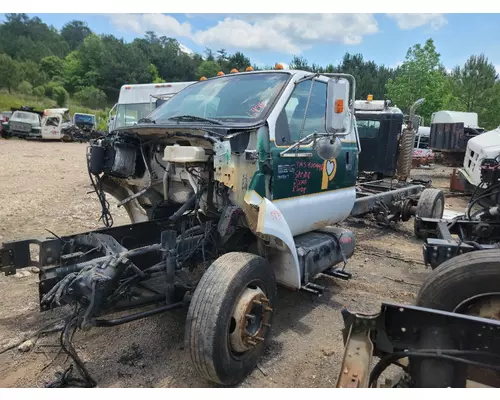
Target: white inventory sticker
x,y
222,154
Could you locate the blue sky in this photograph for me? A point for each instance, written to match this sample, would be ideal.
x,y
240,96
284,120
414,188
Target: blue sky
x,y
321,38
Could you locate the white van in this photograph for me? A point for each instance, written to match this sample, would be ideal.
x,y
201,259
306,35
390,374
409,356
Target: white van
x,y
137,101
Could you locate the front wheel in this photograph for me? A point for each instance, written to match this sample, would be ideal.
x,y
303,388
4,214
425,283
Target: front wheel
x,y
67,137
229,319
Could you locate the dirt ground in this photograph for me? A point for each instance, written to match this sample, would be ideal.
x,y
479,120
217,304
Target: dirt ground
x,y
46,186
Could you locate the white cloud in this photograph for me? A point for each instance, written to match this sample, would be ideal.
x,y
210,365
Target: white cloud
x,y
161,24
397,64
284,33
236,33
412,21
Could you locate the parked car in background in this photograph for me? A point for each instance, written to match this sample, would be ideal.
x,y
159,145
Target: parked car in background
x,y
4,118
24,122
86,122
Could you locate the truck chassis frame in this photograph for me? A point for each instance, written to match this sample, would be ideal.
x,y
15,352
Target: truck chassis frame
x,y
389,202
448,239
396,335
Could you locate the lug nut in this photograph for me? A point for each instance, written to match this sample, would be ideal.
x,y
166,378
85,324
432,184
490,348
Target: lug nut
x,y
250,317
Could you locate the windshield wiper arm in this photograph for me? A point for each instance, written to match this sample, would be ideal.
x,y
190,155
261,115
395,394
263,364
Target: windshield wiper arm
x,y
146,121
194,118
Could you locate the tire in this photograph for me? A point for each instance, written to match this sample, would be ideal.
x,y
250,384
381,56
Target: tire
x,y
67,138
430,205
210,317
460,278
446,288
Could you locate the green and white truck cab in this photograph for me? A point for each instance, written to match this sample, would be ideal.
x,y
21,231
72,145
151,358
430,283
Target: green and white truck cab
x,y
282,143
241,177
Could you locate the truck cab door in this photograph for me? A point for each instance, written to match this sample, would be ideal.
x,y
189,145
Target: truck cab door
x,y
51,127
111,118
310,192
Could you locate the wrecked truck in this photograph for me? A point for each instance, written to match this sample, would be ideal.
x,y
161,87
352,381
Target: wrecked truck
x,y
233,186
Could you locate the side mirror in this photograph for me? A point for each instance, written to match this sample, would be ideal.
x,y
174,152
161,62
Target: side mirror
x,y
159,102
328,148
338,119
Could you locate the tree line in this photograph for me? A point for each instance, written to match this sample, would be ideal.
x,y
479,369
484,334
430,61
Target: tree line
x,y
37,59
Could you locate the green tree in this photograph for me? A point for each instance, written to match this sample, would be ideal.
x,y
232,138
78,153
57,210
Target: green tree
x,y
239,61
25,88
209,54
222,60
32,73
473,79
300,63
92,55
49,89
488,108
60,95
10,72
74,33
27,38
72,72
52,66
208,69
154,73
451,99
370,77
39,91
420,75
91,97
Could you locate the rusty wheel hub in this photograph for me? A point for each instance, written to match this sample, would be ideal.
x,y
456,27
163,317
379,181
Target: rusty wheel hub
x,y
485,307
250,320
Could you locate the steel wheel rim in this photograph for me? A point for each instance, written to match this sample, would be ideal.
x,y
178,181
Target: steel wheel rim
x,y
249,322
485,305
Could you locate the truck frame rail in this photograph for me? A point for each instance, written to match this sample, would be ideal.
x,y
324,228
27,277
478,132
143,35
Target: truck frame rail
x,y
410,336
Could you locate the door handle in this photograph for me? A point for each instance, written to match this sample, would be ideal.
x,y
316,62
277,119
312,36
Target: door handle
x,y
296,155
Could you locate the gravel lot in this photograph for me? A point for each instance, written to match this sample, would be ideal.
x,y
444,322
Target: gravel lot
x,y
46,186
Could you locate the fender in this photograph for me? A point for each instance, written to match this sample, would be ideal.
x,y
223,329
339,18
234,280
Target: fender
x,y
120,193
272,227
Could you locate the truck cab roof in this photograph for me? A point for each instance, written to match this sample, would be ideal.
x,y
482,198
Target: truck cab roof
x,y
469,119
376,107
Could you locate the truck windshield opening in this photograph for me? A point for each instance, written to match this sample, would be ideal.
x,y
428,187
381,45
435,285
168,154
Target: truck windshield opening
x,y
238,98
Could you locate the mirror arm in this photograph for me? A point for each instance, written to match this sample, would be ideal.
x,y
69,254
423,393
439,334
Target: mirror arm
x,y
312,136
